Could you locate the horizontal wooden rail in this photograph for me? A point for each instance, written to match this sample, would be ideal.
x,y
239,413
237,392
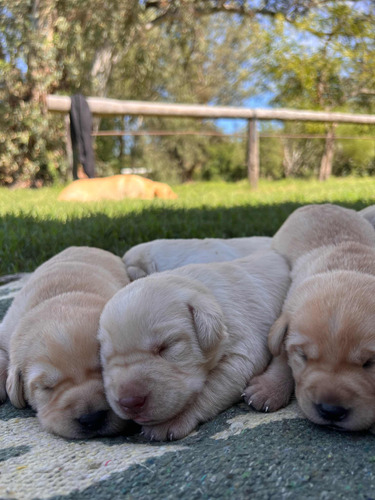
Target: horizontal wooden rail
x,y
240,135
102,106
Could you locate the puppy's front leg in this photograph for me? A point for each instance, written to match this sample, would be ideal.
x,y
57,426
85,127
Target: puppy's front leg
x,y
271,390
222,389
4,361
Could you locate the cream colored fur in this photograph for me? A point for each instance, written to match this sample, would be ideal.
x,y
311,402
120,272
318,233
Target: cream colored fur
x,y
49,354
369,214
178,347
325,331
163,255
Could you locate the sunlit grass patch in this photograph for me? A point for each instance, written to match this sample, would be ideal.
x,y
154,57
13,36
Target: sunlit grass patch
x,y
35,225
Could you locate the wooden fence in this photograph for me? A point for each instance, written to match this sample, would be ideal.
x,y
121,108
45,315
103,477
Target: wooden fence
x,y
103,107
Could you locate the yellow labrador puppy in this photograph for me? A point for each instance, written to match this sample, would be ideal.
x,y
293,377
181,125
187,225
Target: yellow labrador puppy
x,y
48,346
178,347
163,255
325,331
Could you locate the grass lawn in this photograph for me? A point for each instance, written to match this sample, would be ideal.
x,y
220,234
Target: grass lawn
x,y
35,226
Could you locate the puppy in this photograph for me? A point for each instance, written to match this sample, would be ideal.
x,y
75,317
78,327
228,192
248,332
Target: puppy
x,y
164,255
167,254
314,226
324,331
116,187
369,214
49,353
178,347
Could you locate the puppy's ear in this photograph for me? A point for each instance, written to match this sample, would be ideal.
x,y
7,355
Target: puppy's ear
x,y
15,387
208,322
277,334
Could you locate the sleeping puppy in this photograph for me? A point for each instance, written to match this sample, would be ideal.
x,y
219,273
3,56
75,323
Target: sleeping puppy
x,y
324,330
164,255
314,226
49,353
178,347
369,214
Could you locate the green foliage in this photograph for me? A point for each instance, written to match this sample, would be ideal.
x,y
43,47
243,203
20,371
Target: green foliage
x,y
315,55
226,161
271,155
355,156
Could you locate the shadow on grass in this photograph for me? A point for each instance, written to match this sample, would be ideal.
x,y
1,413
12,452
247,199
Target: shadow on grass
x,y
26,241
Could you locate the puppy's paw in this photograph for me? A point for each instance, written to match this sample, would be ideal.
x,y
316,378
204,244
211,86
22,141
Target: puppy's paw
x,y
138,261
264,393
177,428
3,375
135,272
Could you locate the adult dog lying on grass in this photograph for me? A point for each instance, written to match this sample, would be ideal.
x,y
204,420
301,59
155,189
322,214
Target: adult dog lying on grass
x,y
48,343
116,187
326,329
178,347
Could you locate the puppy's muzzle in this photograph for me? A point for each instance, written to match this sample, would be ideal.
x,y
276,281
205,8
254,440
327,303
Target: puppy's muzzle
x,y
331,413
92,422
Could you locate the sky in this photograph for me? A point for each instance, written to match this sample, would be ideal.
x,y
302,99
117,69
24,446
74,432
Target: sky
x,y
230,126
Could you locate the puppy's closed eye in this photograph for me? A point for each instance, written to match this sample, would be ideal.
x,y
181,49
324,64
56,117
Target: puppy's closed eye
x,y
301,354
369,363
44,377
172,350
160,349
43,387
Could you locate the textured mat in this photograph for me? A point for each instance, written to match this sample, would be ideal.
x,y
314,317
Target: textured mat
x,y
240,454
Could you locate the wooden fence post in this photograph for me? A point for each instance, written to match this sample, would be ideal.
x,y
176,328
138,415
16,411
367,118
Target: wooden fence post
x,y
253,153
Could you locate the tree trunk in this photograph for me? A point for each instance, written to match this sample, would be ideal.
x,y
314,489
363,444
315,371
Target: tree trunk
x,y
100,73
253,153
327,158
287,159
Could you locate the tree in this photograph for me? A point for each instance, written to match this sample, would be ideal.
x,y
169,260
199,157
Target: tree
x,y
203,51
323,61
48,46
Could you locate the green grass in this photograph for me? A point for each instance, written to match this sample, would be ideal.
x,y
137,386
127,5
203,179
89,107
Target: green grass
x,y
35,226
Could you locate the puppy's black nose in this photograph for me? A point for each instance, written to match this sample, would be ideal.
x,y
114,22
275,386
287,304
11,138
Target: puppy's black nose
x,y
331,412
132,403
93,421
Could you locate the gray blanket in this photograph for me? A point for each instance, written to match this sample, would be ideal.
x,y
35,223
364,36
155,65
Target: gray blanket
x,y
241,454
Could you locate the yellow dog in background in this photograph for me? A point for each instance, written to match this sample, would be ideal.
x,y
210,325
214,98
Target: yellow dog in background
x,y
116,187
